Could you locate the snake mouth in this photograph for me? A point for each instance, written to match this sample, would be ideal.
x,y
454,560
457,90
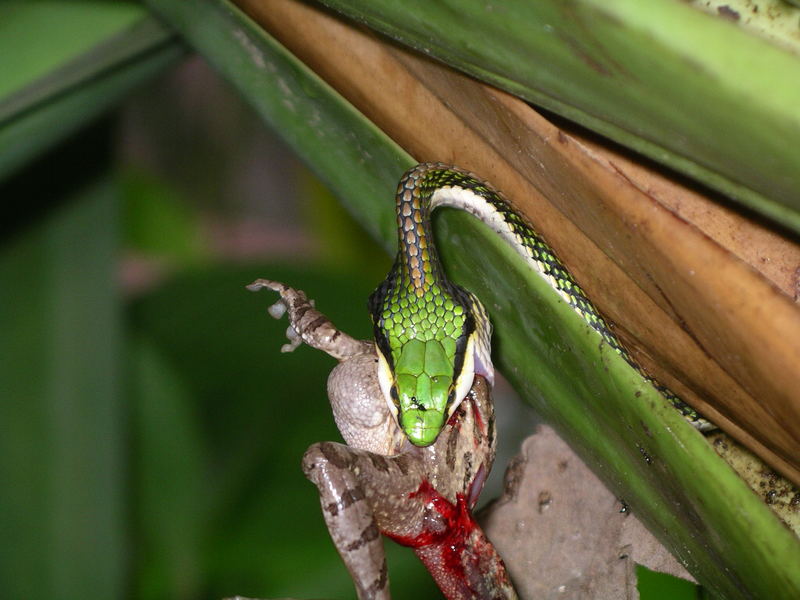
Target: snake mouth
x,y
421,403
385,381
421,426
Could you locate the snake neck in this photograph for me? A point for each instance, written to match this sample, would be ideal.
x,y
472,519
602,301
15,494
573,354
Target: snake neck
x,y
416,300
417,267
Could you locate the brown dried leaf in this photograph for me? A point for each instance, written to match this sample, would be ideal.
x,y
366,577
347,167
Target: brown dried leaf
x,y
573,542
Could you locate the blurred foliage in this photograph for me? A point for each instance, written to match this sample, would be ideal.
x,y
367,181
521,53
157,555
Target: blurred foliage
x,y
62,451
71,62
223,419
156,222
346,245
36,57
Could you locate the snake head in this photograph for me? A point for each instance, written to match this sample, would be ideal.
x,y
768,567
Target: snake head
x,y
424,389
427,347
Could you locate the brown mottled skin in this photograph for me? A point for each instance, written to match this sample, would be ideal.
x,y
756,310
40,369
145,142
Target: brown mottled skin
x,y
380,483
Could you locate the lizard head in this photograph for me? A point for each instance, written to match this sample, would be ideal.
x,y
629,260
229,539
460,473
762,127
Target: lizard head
x,y
427,345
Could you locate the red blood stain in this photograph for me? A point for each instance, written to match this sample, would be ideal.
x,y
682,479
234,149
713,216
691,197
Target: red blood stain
x,y
457,517
456,549
476,414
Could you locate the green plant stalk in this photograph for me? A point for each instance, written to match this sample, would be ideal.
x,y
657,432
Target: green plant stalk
x,y
82,85
641,448
691,91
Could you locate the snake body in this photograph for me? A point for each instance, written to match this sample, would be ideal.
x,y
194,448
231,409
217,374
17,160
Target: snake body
x,y
417,307
432,350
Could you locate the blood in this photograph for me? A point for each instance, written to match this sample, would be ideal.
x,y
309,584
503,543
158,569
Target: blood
x,y
453,540
476,414
455,419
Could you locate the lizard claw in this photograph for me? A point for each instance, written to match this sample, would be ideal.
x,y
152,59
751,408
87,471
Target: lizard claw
x,y
307,324
294,340
279,309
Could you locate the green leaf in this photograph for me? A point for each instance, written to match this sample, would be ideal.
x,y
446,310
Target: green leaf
x,y
172,504
73,60
656,586
62,464
36,56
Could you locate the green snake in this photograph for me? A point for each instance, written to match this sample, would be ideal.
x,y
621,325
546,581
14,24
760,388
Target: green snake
x,y
414,407
432,335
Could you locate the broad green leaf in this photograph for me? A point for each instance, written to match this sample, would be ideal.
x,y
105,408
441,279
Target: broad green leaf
x,y
691,91
172,504
62,465
642,449
44,35
72,61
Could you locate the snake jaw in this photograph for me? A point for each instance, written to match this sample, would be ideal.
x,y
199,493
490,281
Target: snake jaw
x,y
386,382
465,378
420,421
